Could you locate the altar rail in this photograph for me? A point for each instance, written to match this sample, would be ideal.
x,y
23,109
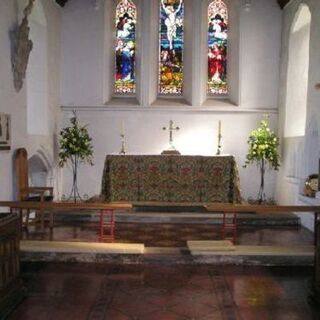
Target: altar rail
x,y
211,207
103,208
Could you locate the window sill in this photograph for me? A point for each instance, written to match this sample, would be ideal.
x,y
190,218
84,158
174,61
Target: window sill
x,y
292,180
123,101
170,102
308,200
211,102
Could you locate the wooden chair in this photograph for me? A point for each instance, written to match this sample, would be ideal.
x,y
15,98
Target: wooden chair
x,y
26,193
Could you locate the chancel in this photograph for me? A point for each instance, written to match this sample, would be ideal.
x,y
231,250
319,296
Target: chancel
x,y
186,133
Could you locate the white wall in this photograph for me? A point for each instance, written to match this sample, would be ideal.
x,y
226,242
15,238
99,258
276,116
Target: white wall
x,y
300,155
16,103
297,74
260,39
37,74
144,135
82,42
86,45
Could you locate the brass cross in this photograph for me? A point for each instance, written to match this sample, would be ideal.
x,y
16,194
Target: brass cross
x,y
171,128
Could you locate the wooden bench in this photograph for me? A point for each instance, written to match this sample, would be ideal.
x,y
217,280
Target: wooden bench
x,y
235,209
105,209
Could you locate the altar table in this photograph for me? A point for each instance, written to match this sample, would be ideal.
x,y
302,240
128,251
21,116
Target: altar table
x,y
170,178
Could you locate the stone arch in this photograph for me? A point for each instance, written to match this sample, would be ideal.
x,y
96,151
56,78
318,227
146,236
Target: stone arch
x,y
41,168
297,73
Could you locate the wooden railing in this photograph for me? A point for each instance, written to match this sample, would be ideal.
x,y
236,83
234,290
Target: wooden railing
x,y
53,207
211,207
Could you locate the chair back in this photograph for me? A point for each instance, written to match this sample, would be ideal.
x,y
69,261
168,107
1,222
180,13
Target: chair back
x,y
21,163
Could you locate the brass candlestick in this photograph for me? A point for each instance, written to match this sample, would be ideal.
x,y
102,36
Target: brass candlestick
x,y
219,138
219,144
123,144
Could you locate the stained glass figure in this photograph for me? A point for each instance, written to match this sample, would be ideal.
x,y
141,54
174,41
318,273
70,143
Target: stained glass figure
x,y
171,47
217,47
125,47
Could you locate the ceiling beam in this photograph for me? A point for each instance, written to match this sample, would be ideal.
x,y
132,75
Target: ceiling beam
x,y
61,2
283,3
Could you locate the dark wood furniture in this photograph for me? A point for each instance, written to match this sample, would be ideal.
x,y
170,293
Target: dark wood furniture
x,y
315,292
11,287
26,193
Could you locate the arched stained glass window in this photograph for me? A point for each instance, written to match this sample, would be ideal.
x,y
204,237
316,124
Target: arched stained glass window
x,y
126,19
171,47
217,47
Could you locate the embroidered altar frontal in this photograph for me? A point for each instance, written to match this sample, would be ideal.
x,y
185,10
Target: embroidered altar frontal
x,y
170,178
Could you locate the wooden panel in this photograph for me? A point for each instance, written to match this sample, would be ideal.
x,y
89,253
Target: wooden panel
x,y
22,178
11,288
64,205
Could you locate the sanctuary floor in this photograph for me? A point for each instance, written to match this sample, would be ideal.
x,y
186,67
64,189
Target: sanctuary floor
x,y
158,292
171,234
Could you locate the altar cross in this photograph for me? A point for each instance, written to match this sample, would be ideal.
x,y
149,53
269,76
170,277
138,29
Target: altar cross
x,y
171,128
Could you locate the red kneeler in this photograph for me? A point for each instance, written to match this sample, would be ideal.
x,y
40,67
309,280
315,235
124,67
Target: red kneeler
x,y
229,226
105,226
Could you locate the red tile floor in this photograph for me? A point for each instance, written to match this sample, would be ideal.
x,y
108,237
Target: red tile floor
x,y
157,292
172,235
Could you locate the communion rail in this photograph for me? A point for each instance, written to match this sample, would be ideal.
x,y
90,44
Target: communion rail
x,y
104,209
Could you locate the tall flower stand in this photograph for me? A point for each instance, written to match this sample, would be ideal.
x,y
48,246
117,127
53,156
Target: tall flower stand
x,y
74,193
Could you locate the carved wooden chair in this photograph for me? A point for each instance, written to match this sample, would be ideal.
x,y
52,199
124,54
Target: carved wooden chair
x,y
26,193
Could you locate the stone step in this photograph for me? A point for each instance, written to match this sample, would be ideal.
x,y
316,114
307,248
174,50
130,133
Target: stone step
x,y
49,251
245,219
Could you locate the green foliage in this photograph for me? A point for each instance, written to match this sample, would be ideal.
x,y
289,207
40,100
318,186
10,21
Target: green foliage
x,y
263,146
75,144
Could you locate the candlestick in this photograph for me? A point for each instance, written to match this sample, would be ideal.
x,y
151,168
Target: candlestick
x,y
219,139
123,141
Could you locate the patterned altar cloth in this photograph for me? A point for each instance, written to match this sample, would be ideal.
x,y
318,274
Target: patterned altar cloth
x,y
162,178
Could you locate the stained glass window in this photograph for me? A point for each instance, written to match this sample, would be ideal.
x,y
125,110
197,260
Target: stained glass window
x,y
126,19
171,47
217,47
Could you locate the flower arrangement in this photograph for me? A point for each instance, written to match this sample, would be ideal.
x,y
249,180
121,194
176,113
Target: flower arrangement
x,y
263,149
75,145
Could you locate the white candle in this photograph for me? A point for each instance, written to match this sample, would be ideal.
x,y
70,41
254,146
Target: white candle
x,y
219,131
122,127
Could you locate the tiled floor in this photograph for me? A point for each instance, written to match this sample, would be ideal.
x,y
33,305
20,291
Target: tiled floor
x,y
172,235
157,292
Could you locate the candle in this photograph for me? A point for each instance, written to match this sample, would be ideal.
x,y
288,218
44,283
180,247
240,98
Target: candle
x,y
122,128
219,131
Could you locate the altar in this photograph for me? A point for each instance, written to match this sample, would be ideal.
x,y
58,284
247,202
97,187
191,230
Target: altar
x,y
169,178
